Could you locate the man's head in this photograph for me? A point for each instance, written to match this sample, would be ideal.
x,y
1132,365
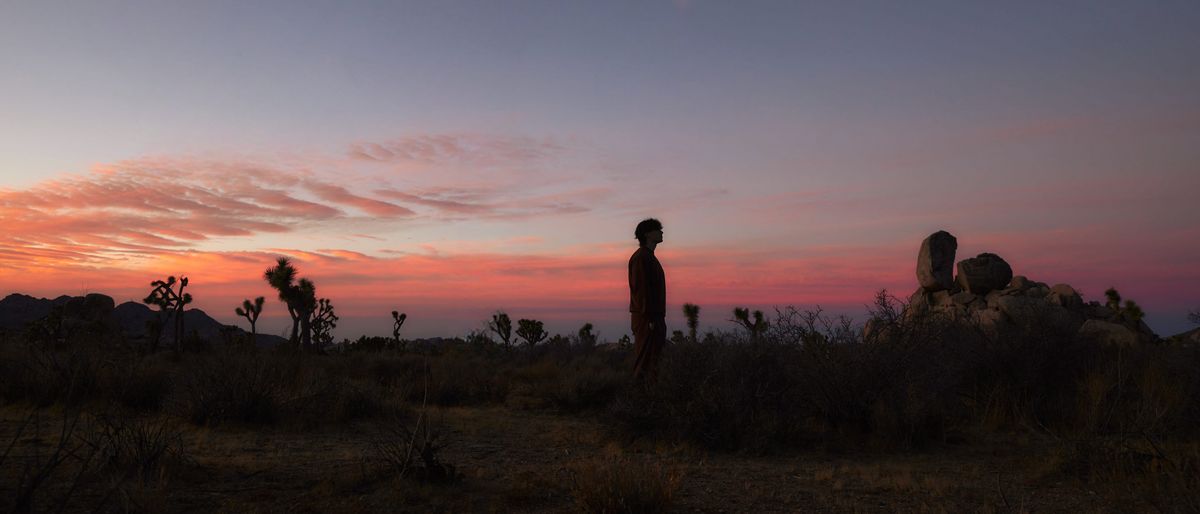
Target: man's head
x,y
648,231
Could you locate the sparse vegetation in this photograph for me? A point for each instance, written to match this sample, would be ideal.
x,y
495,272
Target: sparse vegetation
x,y
251,311
692,313
801,381
621,484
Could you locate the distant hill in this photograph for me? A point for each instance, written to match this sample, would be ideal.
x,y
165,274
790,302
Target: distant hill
x,y
18,310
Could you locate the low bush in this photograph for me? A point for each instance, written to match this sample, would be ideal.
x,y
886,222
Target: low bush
x,y
620,484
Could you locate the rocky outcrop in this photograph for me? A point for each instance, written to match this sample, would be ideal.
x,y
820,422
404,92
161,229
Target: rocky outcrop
x,y
935,261
985,293
984,273
96,313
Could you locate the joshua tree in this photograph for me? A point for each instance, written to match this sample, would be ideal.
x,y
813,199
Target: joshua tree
x,y
323,322
397,322
1130,313
691,311
532,331
250,311
1194,317
586,336
300,296
170,302
501,324
742,316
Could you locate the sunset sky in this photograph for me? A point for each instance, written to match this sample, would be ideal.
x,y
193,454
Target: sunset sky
x,y
451,158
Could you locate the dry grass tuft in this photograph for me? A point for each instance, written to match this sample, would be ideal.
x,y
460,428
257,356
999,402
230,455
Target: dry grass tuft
x,y
620,484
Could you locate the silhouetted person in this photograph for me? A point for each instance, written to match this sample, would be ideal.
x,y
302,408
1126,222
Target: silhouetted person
x,y
647,301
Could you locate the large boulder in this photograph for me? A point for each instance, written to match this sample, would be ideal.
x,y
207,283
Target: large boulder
x,y
935,261
1109,333
984,273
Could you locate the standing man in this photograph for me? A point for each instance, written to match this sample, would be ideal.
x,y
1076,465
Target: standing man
x,y
647,301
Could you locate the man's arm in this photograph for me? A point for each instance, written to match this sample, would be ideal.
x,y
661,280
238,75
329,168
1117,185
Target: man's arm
x,y
637,284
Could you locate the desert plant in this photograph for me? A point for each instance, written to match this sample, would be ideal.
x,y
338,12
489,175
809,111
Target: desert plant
x,y
501,324
741,316
411,450
300,296
170,302
1130,312
622,484
250,311
323,322
532,331
586,336
691,311
1194,317
398,319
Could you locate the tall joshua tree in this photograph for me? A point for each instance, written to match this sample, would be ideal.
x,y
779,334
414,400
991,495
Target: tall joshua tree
x,y
300,296
501,324
691,311
250,311
397,322
170,302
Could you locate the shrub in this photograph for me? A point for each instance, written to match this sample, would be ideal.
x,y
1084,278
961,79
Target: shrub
x,y
618,484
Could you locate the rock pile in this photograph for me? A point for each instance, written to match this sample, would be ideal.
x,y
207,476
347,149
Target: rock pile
x,y
986,293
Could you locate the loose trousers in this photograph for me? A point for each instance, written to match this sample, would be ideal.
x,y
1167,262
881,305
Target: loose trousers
x,y
648,344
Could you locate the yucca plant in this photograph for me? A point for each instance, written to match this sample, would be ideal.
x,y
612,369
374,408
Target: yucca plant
x,y
300,296
398,319
323,322
501,324
741,316
532,331
250,311
170,302
691,311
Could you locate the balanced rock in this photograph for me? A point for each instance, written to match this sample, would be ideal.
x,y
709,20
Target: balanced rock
x,y
984,273
935,261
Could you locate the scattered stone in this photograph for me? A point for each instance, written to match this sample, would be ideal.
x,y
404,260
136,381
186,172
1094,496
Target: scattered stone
x,y
935,261
964,298
939,298
984,273
1037,292
1020,282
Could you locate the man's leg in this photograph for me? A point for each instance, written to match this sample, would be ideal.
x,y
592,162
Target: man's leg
x,y
658,341
641,344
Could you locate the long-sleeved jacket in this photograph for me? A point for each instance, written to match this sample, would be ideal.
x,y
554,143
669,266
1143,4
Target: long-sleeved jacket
x,y
647,284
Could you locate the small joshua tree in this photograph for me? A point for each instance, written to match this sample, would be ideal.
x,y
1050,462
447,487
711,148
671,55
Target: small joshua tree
x,y
170,302
532,331
250,311
586,336
501,324
741,316
323,322
1131,313
397,322
691,311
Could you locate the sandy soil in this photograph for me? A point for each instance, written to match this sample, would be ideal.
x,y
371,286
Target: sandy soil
x,y
517,461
